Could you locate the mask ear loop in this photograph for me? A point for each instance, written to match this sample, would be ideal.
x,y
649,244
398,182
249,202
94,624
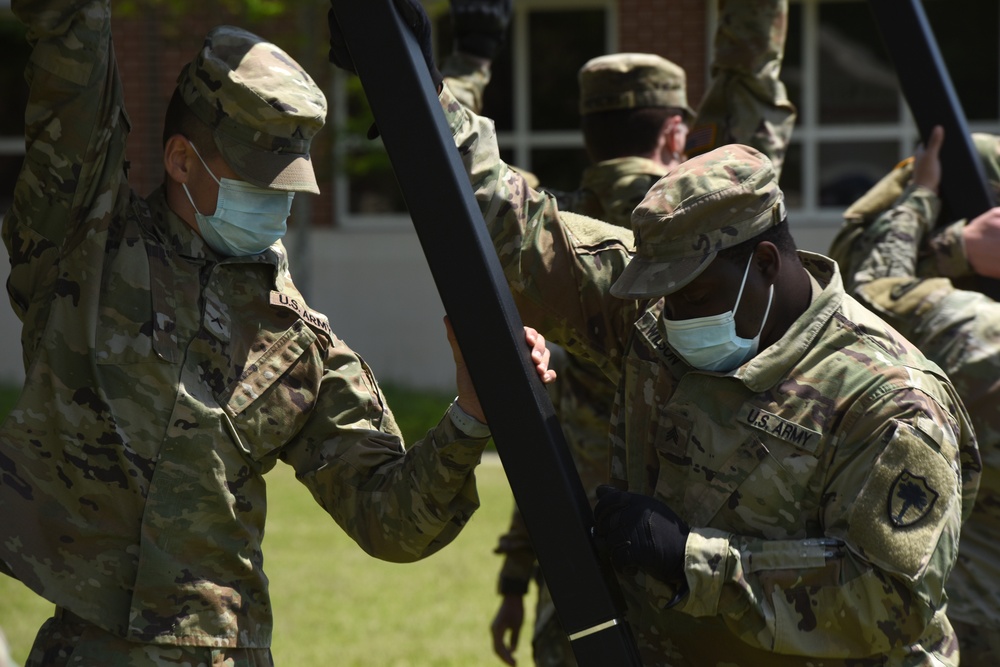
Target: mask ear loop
x,y
770,298
203,163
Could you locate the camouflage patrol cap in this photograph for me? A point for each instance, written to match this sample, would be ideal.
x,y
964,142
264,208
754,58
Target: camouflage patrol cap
x,y
711,202
263,108
631,81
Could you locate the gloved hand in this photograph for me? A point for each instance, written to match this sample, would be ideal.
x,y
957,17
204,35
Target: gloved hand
x,y
480,25
415,18
638,531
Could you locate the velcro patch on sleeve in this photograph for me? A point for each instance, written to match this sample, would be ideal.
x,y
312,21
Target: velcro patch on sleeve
x,y
701,139
903,506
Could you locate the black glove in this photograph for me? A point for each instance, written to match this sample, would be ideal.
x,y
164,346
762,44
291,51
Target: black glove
x,y
480,25
638,531
415,18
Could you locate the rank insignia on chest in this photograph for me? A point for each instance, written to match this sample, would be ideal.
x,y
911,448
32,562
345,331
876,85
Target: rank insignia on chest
x,y
910,499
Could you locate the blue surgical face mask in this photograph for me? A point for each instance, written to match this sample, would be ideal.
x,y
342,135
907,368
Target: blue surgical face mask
x,y
247,219
711,343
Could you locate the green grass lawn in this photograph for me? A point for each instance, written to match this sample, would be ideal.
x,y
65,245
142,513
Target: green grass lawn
x,y
333,604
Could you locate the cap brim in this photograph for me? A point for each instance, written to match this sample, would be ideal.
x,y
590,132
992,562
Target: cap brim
x,y
645,278
292,172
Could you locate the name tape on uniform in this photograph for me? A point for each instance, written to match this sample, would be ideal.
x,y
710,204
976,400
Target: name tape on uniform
x,y
317,320
778,427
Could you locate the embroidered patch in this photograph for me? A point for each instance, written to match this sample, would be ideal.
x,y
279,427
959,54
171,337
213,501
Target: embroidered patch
x,y
311,317
778,427
910,499
700,139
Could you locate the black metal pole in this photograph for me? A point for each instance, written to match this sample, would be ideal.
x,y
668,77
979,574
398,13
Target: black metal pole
x,y
470,281
929,93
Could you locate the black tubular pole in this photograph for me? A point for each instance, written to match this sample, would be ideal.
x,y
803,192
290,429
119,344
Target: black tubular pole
x,y
929,93
475,295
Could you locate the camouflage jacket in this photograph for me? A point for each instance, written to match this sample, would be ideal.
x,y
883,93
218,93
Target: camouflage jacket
x,y
163,382
960,330
610,190
825,480
583,395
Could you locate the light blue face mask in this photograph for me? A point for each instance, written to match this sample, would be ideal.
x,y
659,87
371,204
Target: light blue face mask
x,y
247,219
711,343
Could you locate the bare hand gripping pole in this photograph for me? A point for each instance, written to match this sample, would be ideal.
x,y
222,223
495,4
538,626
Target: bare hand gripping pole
x,y
478,302
931,97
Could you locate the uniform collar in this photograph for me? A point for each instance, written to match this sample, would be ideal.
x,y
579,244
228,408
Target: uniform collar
x,y
773,363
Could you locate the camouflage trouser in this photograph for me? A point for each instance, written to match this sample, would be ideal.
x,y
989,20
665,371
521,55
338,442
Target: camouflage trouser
x,y
66,639
550,645
979,646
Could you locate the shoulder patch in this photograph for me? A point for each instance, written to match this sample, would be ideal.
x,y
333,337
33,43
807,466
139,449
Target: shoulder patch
x,y
701,138
911,498
311,317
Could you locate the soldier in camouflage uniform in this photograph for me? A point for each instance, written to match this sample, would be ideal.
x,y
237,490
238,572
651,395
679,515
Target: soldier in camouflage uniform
x,y
171,362
801,504
634,117
897,264
790,482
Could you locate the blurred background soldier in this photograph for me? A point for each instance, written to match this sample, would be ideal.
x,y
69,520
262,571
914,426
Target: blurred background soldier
x,y
902,263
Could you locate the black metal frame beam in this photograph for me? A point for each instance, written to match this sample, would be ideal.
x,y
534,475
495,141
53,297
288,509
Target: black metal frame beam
x,y
929,93
475,295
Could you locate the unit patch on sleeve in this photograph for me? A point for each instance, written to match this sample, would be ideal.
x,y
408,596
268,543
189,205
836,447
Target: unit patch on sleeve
x,y
317,320
910,499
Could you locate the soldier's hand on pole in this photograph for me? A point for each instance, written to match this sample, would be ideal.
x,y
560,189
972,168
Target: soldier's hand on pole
x,y
480,25
927,163
637,531
414,17
981,237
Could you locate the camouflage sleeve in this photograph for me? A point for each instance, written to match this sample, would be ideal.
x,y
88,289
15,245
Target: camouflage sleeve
x,y
518,552
874,581
467,77
746,101
559,266
947,253
888,247
75,131
398,504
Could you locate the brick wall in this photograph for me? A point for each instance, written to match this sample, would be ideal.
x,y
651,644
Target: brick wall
x,y
675,30
153,47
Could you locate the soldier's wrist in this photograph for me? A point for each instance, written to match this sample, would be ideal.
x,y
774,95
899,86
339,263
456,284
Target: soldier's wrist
x,y
466,423
512,586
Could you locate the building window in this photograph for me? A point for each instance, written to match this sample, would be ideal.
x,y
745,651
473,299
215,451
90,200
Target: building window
x,y
12,64
532,97
853,124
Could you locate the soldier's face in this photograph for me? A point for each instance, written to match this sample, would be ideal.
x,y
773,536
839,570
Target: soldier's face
x,y
203,187
716,290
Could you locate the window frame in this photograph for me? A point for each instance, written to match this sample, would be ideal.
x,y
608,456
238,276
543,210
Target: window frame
x,y
809,135
520,140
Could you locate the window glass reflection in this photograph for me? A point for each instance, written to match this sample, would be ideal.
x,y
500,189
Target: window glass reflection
x,y
848,169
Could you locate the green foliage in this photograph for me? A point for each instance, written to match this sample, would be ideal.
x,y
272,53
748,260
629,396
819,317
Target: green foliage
x,y
251,9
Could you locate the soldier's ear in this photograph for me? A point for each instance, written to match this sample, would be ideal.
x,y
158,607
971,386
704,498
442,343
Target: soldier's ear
x,y
177,158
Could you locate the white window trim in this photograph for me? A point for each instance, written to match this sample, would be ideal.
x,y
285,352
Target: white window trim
x,y
809,134
521,140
